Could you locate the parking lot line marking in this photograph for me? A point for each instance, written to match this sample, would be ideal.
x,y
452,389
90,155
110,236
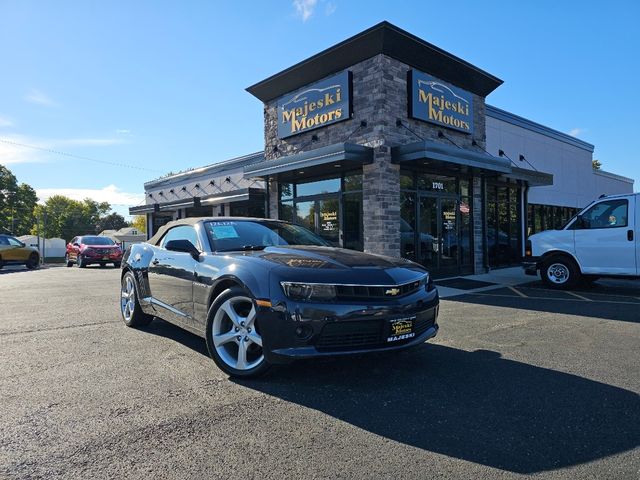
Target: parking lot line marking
x,y
551,298
580,296
515,290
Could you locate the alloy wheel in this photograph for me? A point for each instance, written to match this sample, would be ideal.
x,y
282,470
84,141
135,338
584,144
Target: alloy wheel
x,y
235,337
127,298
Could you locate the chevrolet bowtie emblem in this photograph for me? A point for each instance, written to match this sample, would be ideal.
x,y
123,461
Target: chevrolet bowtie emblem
x,y
392,291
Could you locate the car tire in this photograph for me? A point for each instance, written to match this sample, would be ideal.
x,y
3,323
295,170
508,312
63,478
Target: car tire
x,y
80,261
116,265
102,265
1,263
33,261
233,335
560,272
130,308
67,261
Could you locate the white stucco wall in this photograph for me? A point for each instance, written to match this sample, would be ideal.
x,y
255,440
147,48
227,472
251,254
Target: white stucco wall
x,y
568,159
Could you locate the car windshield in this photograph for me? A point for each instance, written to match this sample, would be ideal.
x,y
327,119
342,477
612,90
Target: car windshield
x,y
97,241
248,235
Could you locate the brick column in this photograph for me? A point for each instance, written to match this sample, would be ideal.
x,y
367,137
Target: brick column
x,y
381,204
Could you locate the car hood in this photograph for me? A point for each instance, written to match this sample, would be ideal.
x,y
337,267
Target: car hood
x,y
333,264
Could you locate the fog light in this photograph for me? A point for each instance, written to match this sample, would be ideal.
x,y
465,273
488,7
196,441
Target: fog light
x,y
303,331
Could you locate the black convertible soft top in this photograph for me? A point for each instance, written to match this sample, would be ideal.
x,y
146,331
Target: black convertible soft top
x,y
193,220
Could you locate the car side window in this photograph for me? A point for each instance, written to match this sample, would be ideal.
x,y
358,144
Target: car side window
x,y
14,242
606,214
4,241
181,232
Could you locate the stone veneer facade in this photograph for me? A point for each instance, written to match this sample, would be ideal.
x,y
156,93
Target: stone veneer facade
x,y
379,98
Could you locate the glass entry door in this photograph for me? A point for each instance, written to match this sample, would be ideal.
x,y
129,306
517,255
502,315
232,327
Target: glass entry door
x,y
321,216
439,244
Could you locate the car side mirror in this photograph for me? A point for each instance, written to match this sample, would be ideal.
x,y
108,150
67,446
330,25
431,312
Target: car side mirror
x,y
184,246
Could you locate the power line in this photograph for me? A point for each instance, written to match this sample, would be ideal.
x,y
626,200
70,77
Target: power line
x,y
79,157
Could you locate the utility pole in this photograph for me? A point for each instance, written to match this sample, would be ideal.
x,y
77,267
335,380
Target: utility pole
x,y
38,231
44,230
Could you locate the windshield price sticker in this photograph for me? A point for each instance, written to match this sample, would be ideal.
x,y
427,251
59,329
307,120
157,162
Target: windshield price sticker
x,y
223,231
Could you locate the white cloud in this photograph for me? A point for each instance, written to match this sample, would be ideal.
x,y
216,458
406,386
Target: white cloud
x,y
5,122
13,151
304,8
330,8
110,193
574,132
10,153
39,98
123,131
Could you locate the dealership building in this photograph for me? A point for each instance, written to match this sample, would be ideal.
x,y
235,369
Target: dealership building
x,y
384,143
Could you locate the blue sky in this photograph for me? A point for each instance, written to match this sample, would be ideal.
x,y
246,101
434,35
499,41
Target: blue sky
x,y
159,85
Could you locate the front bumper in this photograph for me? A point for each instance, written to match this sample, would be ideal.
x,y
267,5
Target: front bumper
x,y
531,265
295,330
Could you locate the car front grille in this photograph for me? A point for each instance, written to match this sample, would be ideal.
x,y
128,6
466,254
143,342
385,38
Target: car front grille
x,y
364,334
357,292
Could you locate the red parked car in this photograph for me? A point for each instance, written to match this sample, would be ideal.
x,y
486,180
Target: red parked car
x,y
92,249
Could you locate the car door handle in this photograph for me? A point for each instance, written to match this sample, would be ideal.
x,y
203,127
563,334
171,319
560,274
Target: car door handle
x,y
630,235
155,261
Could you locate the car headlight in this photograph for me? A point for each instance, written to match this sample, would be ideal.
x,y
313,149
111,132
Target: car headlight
x,y
309,291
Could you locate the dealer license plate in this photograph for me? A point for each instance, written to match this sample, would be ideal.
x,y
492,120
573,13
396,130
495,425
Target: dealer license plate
x,y
401,329
106,257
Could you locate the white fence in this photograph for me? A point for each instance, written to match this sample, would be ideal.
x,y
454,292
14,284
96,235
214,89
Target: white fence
x,y
49,247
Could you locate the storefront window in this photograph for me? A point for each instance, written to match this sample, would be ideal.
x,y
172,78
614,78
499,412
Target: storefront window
x,y
286,211
504,237
407,225
251,208
325,208
406,180
330,185
352,182
286,191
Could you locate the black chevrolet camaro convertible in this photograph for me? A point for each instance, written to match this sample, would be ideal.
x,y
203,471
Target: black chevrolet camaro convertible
x,y
265,291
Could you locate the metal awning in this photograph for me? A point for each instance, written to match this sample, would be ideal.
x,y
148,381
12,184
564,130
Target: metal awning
x,y
142,209
430,150
321,161
239,195
533,178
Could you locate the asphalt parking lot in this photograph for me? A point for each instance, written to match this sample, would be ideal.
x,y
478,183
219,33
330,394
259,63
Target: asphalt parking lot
x,y
519,381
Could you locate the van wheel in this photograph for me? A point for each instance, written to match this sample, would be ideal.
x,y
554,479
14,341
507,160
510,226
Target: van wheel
x,y
560,273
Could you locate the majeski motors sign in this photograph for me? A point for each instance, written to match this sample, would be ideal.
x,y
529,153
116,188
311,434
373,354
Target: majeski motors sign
x,y
435,101
317,105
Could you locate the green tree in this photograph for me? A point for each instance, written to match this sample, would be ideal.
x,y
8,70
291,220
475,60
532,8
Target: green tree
x,y
139,222
17,202
63,217
596,164
112,221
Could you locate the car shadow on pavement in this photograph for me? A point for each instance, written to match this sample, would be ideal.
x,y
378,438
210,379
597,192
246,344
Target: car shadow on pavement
x,y
590,302
475,406
167,330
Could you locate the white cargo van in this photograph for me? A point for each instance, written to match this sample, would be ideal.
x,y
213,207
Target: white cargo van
x,y
600,241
